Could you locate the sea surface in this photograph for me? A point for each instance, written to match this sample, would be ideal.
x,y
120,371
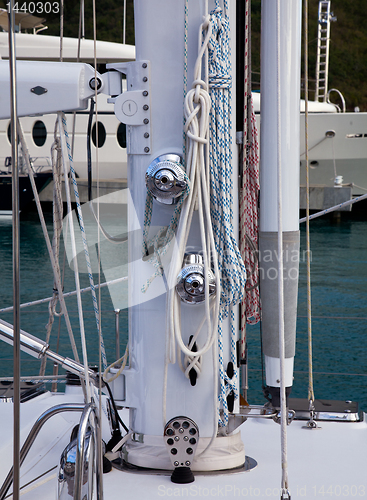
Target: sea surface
x,y
339,309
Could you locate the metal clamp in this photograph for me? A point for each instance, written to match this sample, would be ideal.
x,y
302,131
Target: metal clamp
x,y
133,106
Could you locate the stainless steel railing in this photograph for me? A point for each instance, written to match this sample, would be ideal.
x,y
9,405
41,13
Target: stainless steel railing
x,y
32,436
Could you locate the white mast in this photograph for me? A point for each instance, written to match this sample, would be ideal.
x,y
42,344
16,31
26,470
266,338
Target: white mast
x,y
290,15
158,72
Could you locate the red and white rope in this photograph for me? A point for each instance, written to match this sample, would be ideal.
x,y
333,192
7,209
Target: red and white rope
x,y
249,224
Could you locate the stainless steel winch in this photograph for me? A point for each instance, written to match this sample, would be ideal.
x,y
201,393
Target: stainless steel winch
x,y
165,178
191,280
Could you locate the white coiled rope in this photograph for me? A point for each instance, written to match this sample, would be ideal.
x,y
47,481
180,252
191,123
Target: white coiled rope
x,y
197,106
196,113
208,130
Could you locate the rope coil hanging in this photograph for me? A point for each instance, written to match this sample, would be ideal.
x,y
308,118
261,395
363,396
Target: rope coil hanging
x,y
230,263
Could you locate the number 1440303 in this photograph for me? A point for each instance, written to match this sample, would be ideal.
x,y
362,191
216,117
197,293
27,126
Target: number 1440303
x,y
35,7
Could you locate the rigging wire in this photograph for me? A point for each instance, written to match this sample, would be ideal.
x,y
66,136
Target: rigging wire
x,y
48,244
57,214
66,155
101,350
311,395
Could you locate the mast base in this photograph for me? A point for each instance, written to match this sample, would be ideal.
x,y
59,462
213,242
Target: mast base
x,y
225,453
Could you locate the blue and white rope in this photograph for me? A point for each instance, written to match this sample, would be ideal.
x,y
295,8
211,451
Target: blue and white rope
x,y
161,241
230,263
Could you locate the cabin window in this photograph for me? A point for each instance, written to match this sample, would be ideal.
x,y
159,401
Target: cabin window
x,y
121,135
39,133
9,133
101,134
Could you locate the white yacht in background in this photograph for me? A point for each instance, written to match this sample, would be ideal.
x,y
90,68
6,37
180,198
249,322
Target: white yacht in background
x,y
39,130
337,139
337,145
170,409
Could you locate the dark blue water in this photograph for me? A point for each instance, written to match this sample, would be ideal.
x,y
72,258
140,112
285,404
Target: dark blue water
x,y
339,307
36,282
339,310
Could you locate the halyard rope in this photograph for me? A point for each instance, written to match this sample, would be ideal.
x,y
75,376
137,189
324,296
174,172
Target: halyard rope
x,y
67,161
208,122
161,241
283,403
57,213
84,238
196,110
311,395
249,193
54,264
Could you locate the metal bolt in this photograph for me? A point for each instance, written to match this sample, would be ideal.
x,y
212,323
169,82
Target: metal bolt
x,y
186,438
146,150
145,93
146,135
145,107
187,463
146,121
180,430
144,65
177,438
176,464
145,79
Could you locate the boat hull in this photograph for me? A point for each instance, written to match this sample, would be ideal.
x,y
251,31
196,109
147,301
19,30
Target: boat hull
x,y
25,190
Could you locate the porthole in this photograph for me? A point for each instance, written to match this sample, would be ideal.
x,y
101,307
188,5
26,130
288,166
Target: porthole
x,y
9,133
39,133
121,135
101,134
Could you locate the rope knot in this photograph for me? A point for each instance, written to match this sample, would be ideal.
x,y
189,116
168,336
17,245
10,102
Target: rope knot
x,y
220,81
200,86
206,22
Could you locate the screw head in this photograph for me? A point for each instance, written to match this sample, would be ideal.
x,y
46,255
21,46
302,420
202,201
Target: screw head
x,y
146,121
176,464
145,93
146,135
145,79
144,65
187,463
145,107
146,150
186,438
177,438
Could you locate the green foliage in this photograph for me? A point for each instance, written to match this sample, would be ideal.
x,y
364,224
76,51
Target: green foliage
x,y
348,46
109,15
348,49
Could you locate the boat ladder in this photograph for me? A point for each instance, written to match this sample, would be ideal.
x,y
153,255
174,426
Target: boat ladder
x,y
323,42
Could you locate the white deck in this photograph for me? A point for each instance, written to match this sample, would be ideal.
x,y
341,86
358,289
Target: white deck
x,y
326,463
